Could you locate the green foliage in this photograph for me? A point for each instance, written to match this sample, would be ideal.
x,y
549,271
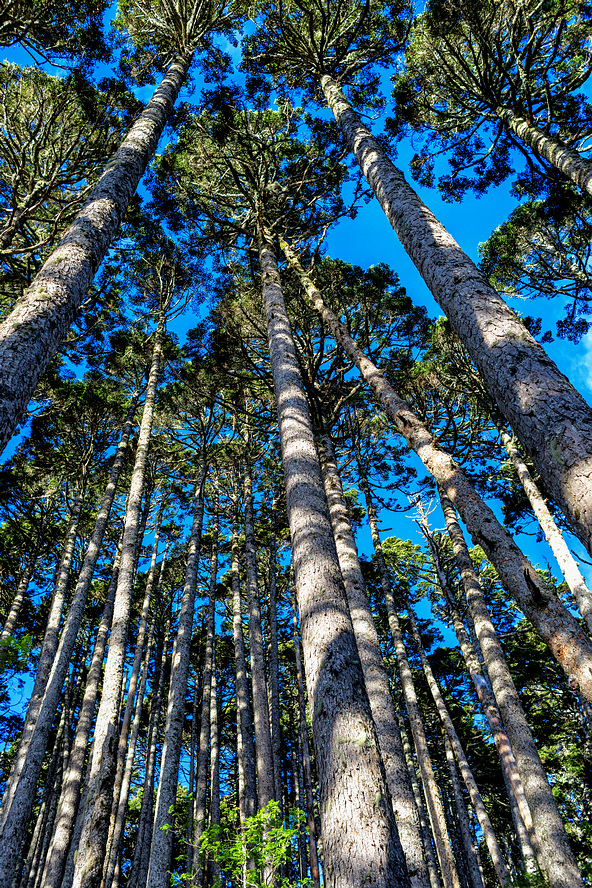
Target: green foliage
x,y
257,852
15,654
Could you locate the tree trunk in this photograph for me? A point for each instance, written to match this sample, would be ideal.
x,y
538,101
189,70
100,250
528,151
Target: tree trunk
x,y
263,747
497,859
375,674
246,748
552,846
426,834
19,795
565,159
306,770
21,590
91,848
160,851
568,642
360,839
213,867
123,745
551,419
141,861
553,535
32,333
203,757
274,666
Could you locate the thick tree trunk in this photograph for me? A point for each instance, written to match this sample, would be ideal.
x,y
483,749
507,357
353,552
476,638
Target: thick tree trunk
x,y
91,849
360,839
263,746
203,756
160,851
551,419
553,535
375,674
568,642
497,859
306,775
245,730
562,157
32,333
552,844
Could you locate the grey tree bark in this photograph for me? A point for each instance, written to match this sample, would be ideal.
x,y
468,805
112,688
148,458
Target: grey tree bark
x,y
203,756
118,805
274,667
568,642
550,841
306,775
565,560
141,860
263,745
31,334
213,867
551,419
91,848
472,863
360,840
565,159
19,795
21,590
160,850
245,730
375,674
497,859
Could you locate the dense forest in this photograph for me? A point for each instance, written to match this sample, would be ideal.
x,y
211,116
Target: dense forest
x,y
288,590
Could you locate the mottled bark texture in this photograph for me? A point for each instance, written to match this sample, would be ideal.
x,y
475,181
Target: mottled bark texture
x,y
565,159
565,560
375,674
247,796
566,639
160,851
91,849
274,664
470,855
360,841
19,596
551,419
32,333
495,853
552,846
263,747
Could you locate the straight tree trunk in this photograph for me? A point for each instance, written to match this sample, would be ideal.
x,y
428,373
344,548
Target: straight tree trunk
x,y
565,159
306,770
213,867
568,642
123,744
550,418
91,849
552,845
360,840
263,746
426,834
274,666
565,560
23,585
160,850
495,853
141,860
203,757
48,704
375,674
19,795
39,322
245,731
